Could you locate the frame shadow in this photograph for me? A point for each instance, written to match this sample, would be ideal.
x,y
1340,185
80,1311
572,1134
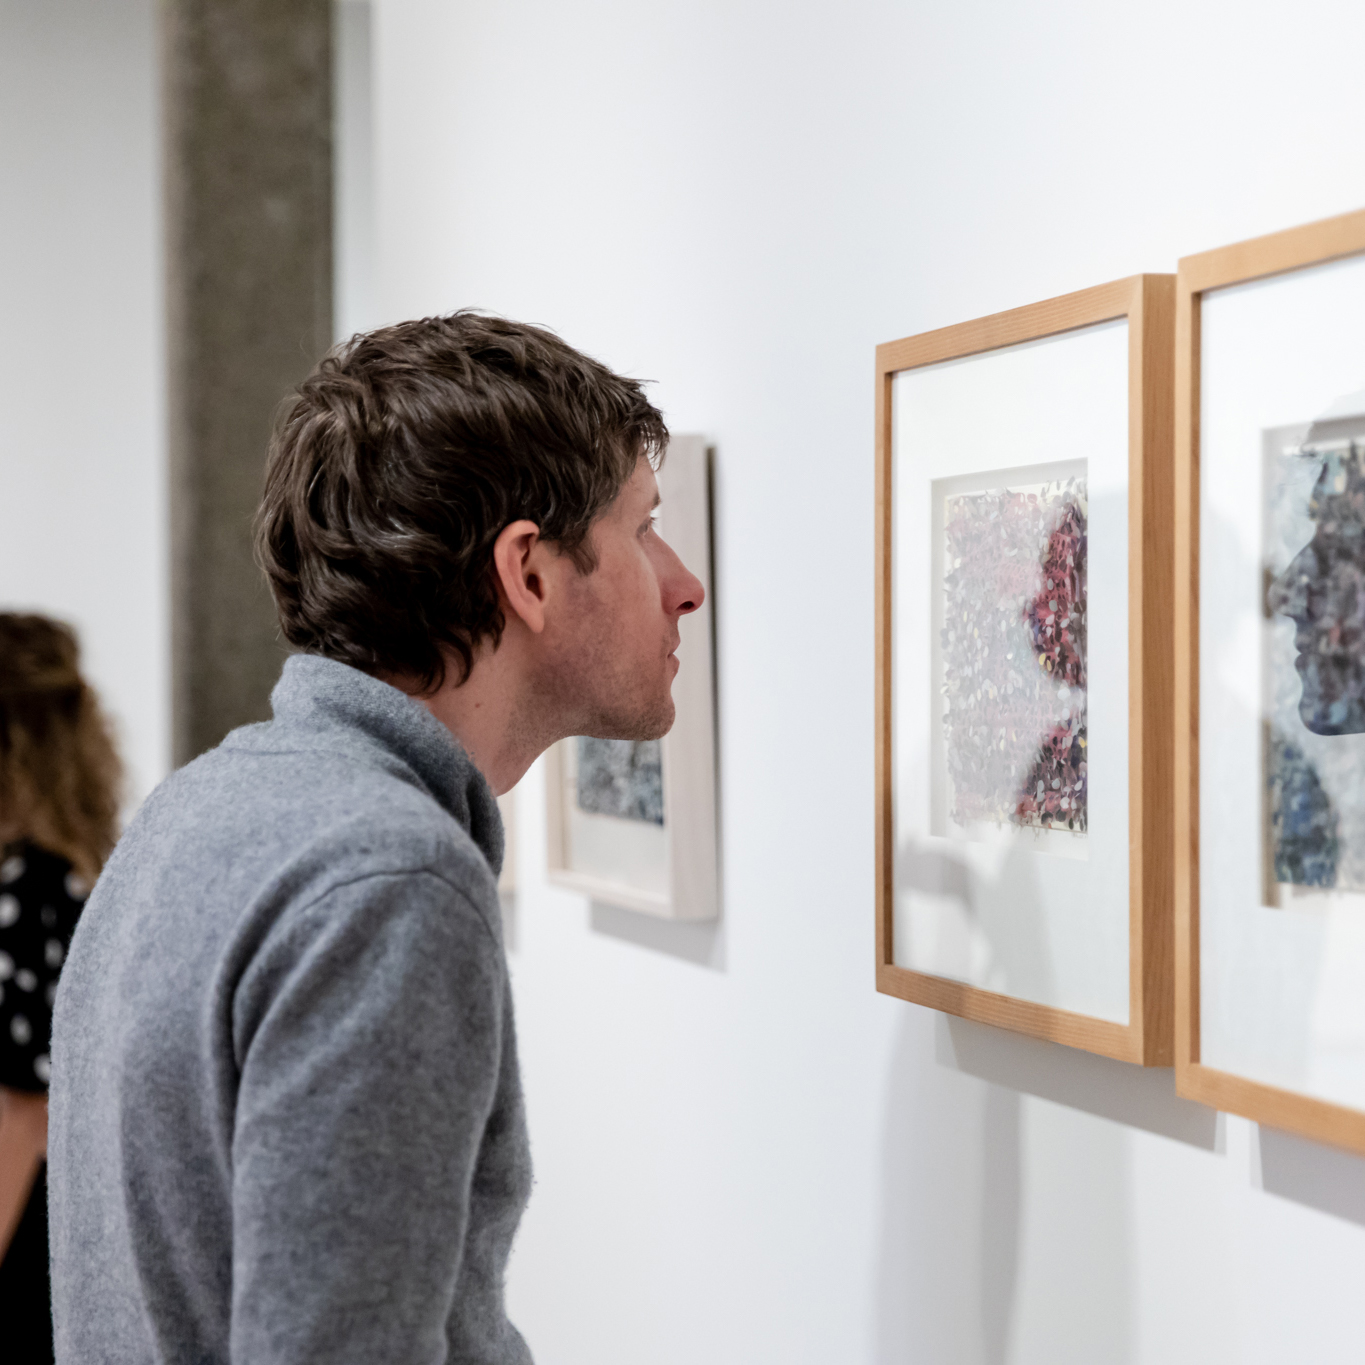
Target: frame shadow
x,y
700,942
1308,1173
1140,1097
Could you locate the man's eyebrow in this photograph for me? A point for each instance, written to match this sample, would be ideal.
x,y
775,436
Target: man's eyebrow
x,y
658,498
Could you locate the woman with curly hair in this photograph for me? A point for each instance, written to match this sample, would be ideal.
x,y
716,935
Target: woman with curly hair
x,y
59,789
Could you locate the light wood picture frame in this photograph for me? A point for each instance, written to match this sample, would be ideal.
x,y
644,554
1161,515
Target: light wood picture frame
x,y
1327,257
669,870
1146,302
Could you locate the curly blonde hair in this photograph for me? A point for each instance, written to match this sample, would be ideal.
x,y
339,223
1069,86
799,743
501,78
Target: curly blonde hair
x,y
60,775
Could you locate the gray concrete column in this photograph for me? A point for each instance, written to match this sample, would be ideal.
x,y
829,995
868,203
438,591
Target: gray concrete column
x,y
249,240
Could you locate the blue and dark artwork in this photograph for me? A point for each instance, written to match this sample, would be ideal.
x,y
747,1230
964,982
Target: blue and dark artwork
x,y
1304,826
622,778
1323,592
1314,543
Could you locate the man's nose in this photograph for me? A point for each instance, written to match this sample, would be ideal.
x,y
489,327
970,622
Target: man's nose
x,y
693,594
685,592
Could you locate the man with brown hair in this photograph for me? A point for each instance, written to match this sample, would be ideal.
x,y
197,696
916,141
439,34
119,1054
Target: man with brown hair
x,y
286,1117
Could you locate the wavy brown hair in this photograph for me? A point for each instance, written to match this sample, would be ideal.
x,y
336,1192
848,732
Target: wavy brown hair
x,y
396,464
60,776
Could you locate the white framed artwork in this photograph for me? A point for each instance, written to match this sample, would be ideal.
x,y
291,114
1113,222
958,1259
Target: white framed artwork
x,y
632,823
1023,799
1270,701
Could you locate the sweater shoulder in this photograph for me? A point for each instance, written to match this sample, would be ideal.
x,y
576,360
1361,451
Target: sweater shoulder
x,y
290,825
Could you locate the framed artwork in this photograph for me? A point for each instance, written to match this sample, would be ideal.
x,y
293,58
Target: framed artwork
x,y
1270,680
633,823
1023,760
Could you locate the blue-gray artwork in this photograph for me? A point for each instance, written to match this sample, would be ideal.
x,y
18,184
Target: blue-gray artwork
x,y
1303,825
1322,590
621,777
1314,686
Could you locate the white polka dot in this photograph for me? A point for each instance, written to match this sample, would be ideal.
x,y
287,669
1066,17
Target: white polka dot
x,y
51,993
9,910
76,886
53,953
11,869
42,1068
20,1030
49,917
25,980
6,966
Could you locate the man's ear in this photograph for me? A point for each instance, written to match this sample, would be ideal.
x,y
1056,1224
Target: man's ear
x,y
518,562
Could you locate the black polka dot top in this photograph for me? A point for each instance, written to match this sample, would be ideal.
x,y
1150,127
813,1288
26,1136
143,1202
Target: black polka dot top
x,y
40,901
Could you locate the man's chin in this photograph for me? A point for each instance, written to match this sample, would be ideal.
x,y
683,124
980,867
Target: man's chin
x,y
654,724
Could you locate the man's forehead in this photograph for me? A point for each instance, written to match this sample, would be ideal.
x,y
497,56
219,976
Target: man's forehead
x,y
643,483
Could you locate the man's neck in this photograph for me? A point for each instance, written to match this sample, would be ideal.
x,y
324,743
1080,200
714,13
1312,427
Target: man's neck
x,y
487,714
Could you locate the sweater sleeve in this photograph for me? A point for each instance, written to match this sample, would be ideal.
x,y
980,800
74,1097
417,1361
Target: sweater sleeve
x,y
367,1031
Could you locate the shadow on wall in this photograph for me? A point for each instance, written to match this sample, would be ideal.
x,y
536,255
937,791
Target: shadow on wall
x,y
949,1262
1006,1226
697,941
1139,1097
1321,1178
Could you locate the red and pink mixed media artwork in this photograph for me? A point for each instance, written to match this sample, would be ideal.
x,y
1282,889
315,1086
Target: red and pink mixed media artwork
x,y
1014,656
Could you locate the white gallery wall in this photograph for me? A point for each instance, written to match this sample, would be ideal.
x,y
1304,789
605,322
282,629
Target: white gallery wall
x,y
83,500
745,1155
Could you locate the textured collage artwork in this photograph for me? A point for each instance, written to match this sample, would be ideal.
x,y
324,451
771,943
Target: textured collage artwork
x,y
1013,647
1313,681
621,778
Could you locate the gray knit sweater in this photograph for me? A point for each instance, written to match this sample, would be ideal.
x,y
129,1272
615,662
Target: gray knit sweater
x,y
286,1119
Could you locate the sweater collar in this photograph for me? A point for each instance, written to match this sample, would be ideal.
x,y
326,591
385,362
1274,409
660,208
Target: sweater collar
x,y
340,708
